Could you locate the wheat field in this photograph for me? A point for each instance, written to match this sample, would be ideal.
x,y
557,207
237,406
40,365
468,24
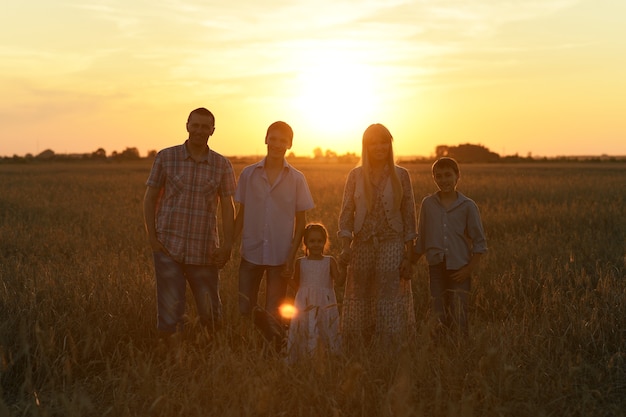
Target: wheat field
x,y
548,318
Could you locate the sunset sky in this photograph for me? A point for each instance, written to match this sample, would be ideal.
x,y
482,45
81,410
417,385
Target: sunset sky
x,y
539,77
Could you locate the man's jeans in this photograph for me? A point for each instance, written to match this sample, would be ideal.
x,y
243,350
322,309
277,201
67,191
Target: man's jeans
x,y
250,276
171,283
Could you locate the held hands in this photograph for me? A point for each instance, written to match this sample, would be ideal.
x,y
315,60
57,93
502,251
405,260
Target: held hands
x,y
345,256
287,270
406,269
221,256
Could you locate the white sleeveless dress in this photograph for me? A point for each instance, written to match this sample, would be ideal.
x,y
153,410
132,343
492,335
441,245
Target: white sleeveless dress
x,y
316,321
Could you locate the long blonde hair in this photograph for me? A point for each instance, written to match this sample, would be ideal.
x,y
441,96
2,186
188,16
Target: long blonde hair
x,y
377,130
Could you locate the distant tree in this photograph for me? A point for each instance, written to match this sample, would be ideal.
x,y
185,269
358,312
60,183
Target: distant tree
x,y
318,153
467,153
330,154
47,154
99,153
129,154
152,154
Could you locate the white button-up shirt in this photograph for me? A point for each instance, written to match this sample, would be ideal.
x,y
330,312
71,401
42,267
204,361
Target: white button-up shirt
x,y
269,212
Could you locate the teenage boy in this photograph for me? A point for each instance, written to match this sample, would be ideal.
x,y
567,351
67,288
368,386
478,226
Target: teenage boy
x,y
273,198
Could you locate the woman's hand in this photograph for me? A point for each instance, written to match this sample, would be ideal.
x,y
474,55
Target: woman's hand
x,y
406,269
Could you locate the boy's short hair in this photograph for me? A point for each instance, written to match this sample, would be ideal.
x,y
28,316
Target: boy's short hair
x,y
447,162
281,127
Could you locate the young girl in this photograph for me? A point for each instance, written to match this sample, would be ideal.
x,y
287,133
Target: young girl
x,y
315,324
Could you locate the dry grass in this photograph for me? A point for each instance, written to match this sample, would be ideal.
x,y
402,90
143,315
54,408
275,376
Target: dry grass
x,y
78,308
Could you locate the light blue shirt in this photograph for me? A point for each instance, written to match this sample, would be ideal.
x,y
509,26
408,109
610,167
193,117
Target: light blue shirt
x,y
455,232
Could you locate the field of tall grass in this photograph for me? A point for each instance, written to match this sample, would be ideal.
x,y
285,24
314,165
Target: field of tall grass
x,y
548,329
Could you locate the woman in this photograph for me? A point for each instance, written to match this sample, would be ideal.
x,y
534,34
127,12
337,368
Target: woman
x,y
377,227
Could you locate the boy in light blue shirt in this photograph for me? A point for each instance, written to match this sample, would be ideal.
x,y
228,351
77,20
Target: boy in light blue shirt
x,y
450,234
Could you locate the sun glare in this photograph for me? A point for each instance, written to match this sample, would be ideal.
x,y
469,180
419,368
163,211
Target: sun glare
x,y
336,99
288,311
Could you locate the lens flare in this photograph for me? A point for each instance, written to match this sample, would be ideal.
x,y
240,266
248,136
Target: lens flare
x,y
288,311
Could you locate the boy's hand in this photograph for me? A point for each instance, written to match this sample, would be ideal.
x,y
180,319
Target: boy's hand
x,y
461,275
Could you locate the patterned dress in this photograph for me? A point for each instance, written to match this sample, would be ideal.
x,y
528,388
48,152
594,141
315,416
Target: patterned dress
x,y
316,321
377,303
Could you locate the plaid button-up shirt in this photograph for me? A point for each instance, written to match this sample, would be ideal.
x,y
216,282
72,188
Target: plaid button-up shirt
x,y
186,214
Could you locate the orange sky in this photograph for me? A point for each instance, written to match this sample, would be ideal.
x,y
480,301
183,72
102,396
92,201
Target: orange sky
x,y
540,77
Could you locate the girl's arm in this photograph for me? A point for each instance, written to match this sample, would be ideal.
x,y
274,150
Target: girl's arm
x,y
335,276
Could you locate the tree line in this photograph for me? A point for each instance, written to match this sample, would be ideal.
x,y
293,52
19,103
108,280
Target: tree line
x,y
464,153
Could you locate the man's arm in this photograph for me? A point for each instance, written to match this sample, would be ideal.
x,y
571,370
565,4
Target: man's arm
x,y
228,226
149,217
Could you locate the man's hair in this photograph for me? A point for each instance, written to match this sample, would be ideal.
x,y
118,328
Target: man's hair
x,y
447,162
281,127
201,111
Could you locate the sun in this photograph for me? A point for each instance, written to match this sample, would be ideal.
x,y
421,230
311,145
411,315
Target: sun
x,y
337,99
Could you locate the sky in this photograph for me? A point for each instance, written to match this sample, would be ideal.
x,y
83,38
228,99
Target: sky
x,y
533,78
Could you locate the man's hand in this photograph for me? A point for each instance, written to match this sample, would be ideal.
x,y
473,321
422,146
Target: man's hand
x,y
156,246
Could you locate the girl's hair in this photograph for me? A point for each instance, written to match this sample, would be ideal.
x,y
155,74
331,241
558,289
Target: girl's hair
x,y
314,227
374,131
